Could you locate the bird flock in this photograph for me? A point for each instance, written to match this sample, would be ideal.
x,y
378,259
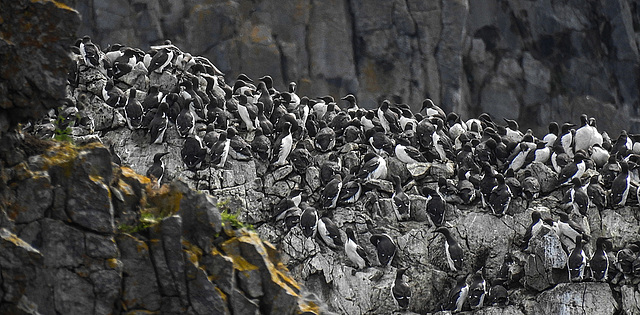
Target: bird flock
x,y
252,120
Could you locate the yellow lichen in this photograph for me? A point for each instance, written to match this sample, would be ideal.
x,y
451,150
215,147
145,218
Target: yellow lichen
x,y
308,306
222,295
194,252
112,263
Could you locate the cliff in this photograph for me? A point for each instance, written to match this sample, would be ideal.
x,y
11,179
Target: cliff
x,y
81,234
535,61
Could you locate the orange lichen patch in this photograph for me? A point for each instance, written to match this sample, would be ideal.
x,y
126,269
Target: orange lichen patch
x,y
222,295
59,5
62,155
277,276
142,246
112,263
96,178
194,252
232,250
15,240
165,201
308,306
128,172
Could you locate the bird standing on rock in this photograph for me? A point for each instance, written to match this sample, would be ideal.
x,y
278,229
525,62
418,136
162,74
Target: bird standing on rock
x,y
452,250
385,246
156,171
355,252
400,291
577,261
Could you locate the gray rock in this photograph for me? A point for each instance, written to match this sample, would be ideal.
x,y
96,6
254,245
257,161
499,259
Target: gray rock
x,y
73,294
620,224
99,246
62,245
200,216
576,298
546,176
88,198
106,287
140,288
546,258
33,197
18,261
630,298
204,296
36,78
240,304
222,266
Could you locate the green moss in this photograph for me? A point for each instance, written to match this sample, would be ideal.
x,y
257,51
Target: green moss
x,y
229,218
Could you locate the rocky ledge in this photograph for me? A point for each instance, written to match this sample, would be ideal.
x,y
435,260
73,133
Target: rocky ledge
x,y
80,235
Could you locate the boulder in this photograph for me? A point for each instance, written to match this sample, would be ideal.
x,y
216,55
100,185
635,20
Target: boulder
x,y
577,298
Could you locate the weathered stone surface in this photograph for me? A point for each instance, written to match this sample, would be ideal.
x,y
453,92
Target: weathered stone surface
x,y
63,245
240,304
630,300
200,216
88,198
205,297
140,283
35,58
74,294
577,298
34,196
545,261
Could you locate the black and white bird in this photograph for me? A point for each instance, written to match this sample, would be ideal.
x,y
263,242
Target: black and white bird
x,y
159,124
400,291
407,153
329,233
572,170
458,295
577,261
597,194
220,150
452,250
351,190
576,197
599,262
355,252
530,186
331,192
282,147
193,152
435,205
156,171
621,186
374,167
400,200
500,196
477,290
133,111
309,221
385,246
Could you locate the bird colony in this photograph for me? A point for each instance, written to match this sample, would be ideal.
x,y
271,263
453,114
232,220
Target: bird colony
x,y
405,199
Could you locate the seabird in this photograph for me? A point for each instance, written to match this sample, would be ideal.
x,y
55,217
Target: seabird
x,y
599,262
385,246
133,111
156,171
400,200
400,291
329,233
355,252
452,250
577,261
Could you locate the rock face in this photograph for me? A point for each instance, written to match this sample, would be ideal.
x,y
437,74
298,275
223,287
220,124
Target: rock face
x,y
34,53
99,239
533,61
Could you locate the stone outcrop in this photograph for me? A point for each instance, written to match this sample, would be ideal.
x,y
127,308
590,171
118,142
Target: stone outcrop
x,y
35,37
90,237
534,61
